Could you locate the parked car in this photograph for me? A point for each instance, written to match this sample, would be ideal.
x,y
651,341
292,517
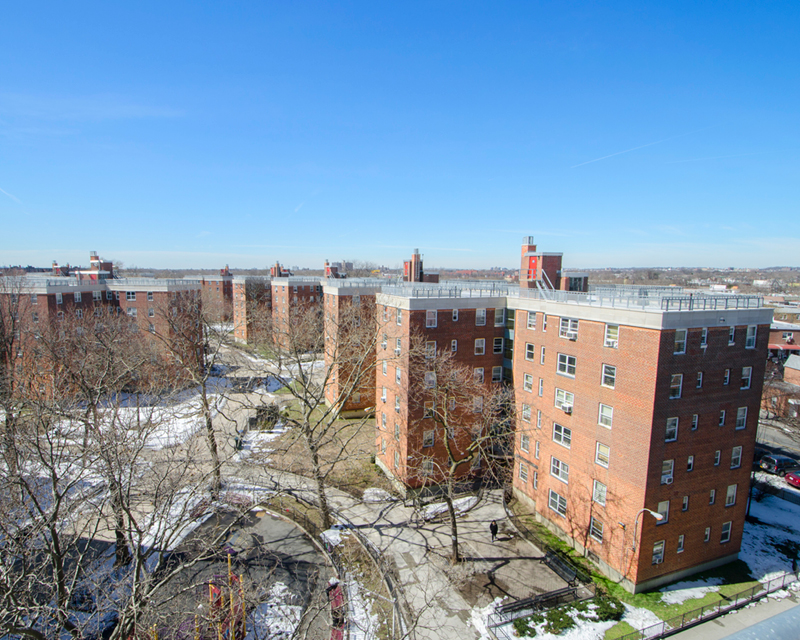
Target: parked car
x,y
779,465
793,478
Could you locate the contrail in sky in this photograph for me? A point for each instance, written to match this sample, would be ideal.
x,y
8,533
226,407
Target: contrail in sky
x,y
14,198
649,144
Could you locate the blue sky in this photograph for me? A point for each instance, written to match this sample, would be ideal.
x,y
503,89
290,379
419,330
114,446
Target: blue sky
x,y
197,134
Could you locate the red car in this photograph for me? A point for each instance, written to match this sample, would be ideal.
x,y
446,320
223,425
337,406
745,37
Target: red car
x,y
793,478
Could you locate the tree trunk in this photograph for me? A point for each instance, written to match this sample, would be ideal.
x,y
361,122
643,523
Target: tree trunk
x,y
455,558
324,507
216,487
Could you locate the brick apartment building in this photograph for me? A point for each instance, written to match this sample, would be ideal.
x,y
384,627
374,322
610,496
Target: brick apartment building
x,y
252,303
217,293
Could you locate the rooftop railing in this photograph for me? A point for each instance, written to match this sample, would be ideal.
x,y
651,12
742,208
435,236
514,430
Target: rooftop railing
x,y
451,290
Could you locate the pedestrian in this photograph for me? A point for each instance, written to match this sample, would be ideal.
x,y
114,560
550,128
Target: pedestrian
x,y
794,566
493,530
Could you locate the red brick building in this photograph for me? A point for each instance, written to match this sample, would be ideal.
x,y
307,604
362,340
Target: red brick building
x,y
252,303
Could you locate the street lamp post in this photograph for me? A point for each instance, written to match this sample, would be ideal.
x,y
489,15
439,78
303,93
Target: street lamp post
x,y
655,514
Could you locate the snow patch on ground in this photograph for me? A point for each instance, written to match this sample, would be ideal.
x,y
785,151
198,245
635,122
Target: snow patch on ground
x,y
377,495
780,519
276,618
461,505
362,622
257,443
776,481
479,616
332,536
639,617
680,592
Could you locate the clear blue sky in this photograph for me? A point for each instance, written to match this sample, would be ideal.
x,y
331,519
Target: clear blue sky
x,y
197,134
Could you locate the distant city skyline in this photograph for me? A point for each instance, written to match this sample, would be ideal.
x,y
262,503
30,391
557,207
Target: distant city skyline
x,y
172,135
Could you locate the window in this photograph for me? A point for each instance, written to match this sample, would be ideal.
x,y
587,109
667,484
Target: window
x,y
730,496
384,341
731,336
523,471
385,367
699,384
566,364
532,320
535,479
747,375
612,336
60,315
396,459
480,317
690,463
544,322
428,409
530,351
428,438
722,418
680,544
727,377
430,349
527,382
680,341
131,311
568,328
149,296
672,430
151,328
130,295
497,374
667,468
399,316
526,412
430,379
726,532
562,435
478,374
79,313
110,295
454,345
559,469
383,394
736,458
455,315
602,454
704,337
538,418
59,298
557,503
599,491
499,317
663,510
605,415
497,346
707,534
596,529
675,385
383,446
658,552
541,387
563,398
480,346
396,430
695,421
77,296
525,442
35,316
741,417
685,505
151,313
536,450
717,456
750,339
383,420
541,358
609,378
430,318
35,298
427,467
712,496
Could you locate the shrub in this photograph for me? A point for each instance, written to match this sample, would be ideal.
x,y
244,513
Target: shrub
x,y
608,608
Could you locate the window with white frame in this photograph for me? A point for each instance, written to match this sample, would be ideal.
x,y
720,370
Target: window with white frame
x,y
541,387
383,446
530,351
149,296
399,316
559,469
398,346
398,375
527,382
396,430
35,298
480,317
727,377
526,412
480,346
544,322
541,357
79,313
59,298
497,374
741,417
525,442
430,349
130,295
499,317
731,336
383,420
596,529
704,337
667,470
110,295
562,435
699,384
566,365
385,367
736,457
605,415
658,552
712,496
726,532
477,404
609,377
568,328
523,471
717,457
685,503
454,345
707,534
747,376
564,398
722,418
430,319
396,404
478,374
663,510
535,479
151,313
536,450
680,341
77,296
383,394
680,544
599,492
750,339
690,463
151,328
557,503
427,466
538,418
428,438
430,379
429,408
672,430
396,459
497,345
132,312
611,338
532,320
675,385
602,454
455,315
730,495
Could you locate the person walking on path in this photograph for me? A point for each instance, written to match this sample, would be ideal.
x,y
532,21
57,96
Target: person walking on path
x,y
493,530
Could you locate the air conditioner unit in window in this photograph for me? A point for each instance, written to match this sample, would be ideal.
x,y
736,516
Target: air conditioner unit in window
x,y
612,344
666,479
658,560
572,335
566,408
397,352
